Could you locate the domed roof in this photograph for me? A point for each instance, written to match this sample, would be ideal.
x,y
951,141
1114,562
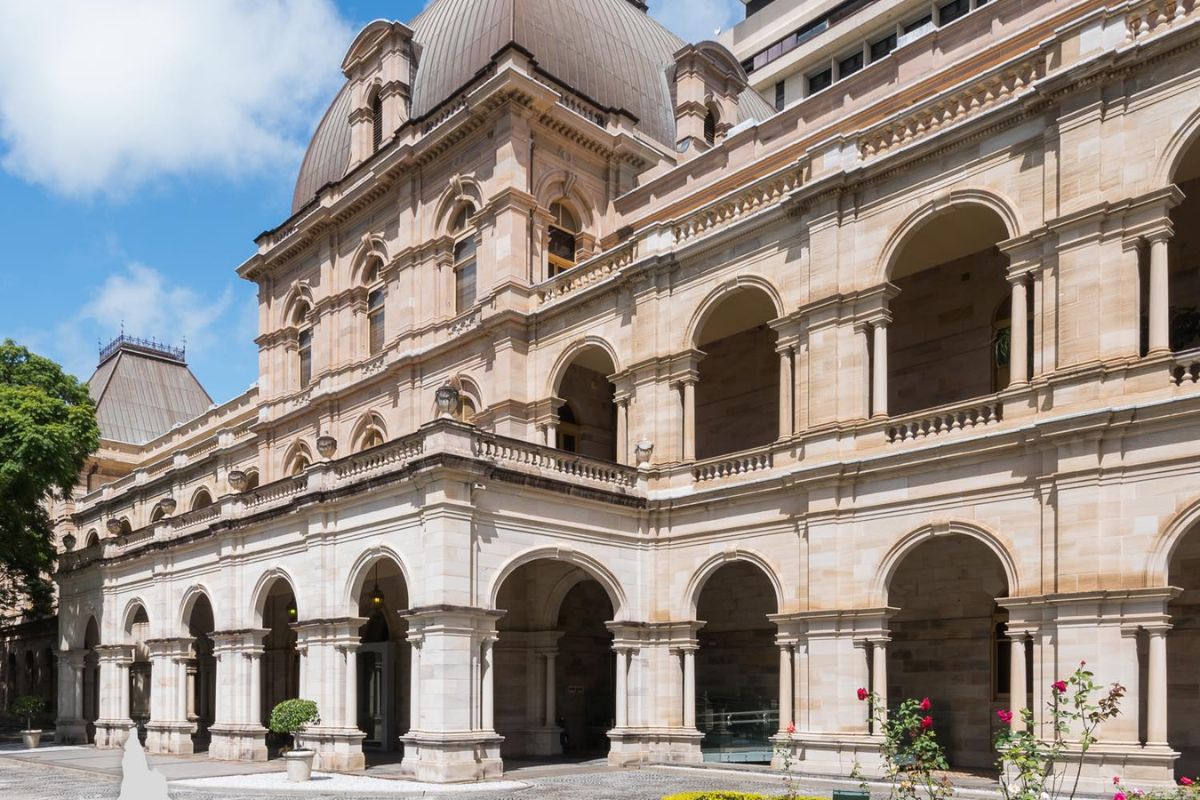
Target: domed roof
x,y
607,50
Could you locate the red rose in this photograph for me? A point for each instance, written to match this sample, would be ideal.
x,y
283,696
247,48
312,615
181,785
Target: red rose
x,y
1186,781
862,694
1005,716
1059,686
926,723
926,705
791,728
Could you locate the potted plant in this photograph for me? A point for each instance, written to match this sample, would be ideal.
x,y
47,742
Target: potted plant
x,y
289,718
29,706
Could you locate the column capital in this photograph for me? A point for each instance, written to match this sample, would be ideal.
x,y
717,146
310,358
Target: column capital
x,y
120,654
336,632
172,647
233,641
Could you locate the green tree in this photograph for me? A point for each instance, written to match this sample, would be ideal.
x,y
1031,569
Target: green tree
x,y
47,431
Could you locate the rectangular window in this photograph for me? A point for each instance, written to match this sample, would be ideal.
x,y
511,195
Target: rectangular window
x,y
464,275
953,10
305,352
820,80
919,24
779,96
375,320
881,48
850,65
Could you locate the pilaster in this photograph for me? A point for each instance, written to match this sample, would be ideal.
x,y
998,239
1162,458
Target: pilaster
x,y
237,732
169,730
329,649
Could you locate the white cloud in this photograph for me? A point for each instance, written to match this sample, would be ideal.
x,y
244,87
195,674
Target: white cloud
x,y
101,97
696,20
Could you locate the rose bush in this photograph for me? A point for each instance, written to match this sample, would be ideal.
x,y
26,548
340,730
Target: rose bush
x,y
912,754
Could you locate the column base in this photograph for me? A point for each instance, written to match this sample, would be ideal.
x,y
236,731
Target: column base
x,y
112,733
169,737
631,746
70,731
831,753
231,742
539,742
452,757
337,749
1141,766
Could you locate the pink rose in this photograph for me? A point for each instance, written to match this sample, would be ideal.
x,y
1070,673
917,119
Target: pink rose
x,y
927,723
1119,796
1005,716
1059,686
1116,780
926,705
1186,781
862,694
791,728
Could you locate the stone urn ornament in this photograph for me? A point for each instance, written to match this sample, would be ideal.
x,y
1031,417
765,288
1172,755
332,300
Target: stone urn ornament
x,y
289,718
29,706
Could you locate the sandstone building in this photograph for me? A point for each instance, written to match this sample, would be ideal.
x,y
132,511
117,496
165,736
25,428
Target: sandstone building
x,y
606,405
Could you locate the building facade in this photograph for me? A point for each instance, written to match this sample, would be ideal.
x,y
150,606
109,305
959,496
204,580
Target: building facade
x,y
604,408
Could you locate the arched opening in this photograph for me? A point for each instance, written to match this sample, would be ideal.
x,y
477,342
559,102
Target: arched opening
x,y
376,121
137,631
737,665
555,668
49,682
1183,656
943,342
1183,257
297,461
252,480
91,678
201,673
710,128
281,659
202,499
93,538
563,247
587,418
948,643
300,319
158,514
737,391
466,288
371,437
384,660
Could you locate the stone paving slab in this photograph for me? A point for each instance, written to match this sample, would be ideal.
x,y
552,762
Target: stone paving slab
x,y
108,762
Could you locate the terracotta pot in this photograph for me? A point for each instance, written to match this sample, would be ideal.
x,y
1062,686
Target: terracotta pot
x,y
299,765
31,738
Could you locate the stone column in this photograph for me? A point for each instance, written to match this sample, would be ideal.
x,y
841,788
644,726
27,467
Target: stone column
x,y
70,727
622,710
879,675
623,430
864,349
1017,689
449,744
414,684
1160,311
114,724
689,686
1156,686
169,730
487,676
879,369
786,386
237,731
689,419
1018,350
786,704
329,678
551,692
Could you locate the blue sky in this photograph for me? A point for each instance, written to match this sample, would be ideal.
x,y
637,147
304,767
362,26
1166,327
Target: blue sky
x,y
136,169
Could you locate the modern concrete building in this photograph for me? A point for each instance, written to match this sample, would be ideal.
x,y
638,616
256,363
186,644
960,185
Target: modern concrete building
x,y
604,408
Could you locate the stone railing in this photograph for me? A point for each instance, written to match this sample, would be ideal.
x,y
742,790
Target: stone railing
x,y
381,459
729,466
945,420
137,538
952,106
589,272
274,492
758,195
1185,368
197,517
537,459
1145,19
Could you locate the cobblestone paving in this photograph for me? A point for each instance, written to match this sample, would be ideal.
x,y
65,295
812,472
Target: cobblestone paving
x,y
26,781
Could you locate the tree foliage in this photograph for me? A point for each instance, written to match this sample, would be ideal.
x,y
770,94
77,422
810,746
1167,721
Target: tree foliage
x,y
47,431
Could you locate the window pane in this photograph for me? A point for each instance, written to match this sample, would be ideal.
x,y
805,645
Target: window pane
x,y
305,358
850,65
375,300
464,250
464,286
882,47
920,23
779,96
375,336
819,81
953,10
562,245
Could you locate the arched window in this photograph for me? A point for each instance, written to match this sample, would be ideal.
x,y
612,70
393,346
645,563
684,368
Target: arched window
x,y
710,128
126,527
465,289
304,357
251,480
376,295
568,429
372,437
564,230
202,499
157,514
466,408
376,122
93,538
297,464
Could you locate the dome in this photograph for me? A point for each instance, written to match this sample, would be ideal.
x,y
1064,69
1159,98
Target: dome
x,y
607,50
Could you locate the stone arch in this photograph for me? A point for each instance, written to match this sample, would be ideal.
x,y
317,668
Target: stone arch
x,y
202,497
1170,535
714,299
594,568
715,562
371,420
1004,208
372,246
461,189
911,541
300,292
187,604
129,614
360,572
262,589
1185,137
296,449
571,352
562,185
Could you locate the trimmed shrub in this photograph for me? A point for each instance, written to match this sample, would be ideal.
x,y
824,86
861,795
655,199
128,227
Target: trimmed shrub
x,y
292,715
28,706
